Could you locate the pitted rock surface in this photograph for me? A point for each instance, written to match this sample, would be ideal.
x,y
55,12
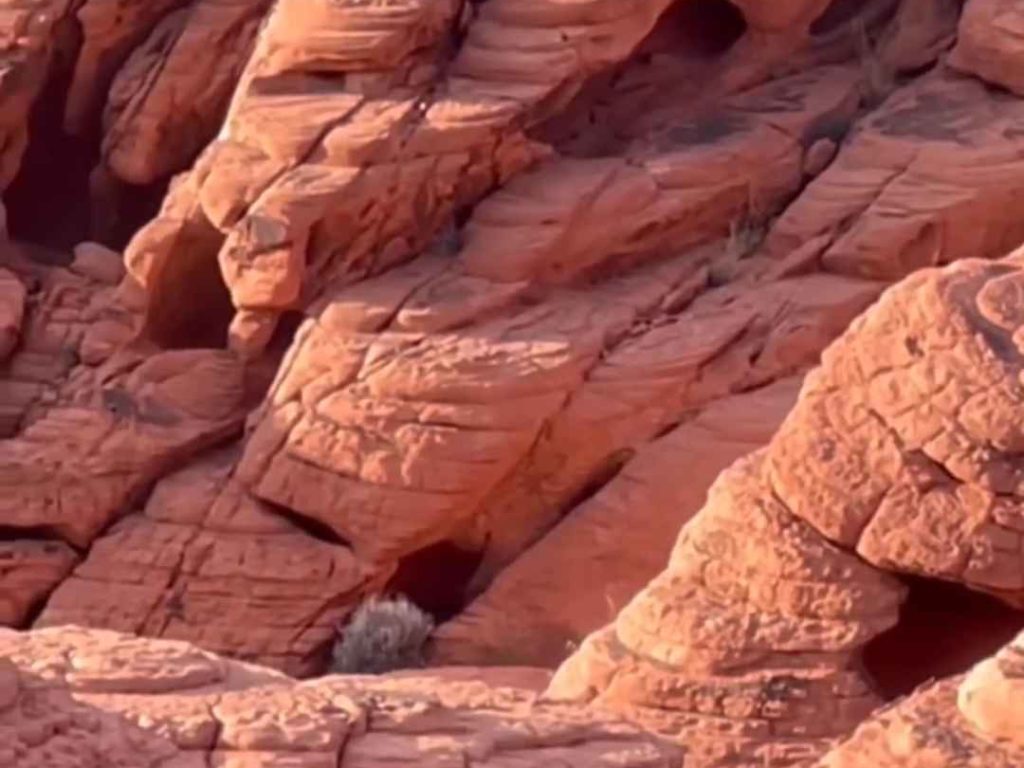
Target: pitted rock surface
x,y
577,577
913,470
204,562
71,697
479,298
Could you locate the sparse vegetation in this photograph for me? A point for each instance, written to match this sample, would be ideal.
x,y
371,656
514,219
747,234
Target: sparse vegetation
x,y
878,80
384,635
745,237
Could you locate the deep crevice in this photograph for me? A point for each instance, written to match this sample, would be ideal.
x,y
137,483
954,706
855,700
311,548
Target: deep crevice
x,y
436,578
943,630
48,200
308,525
60,195
121,209
44,533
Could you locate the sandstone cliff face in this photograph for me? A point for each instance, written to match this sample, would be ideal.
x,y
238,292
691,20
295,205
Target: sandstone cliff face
x,y
475,300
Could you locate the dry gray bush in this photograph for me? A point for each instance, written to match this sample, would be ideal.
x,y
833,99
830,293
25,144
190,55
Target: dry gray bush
x,y
383,636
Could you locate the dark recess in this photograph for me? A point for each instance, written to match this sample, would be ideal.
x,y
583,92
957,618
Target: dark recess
x,y
52,201
48,200
190,305
944,629
121,213
706,28
435,578
30,533
314,528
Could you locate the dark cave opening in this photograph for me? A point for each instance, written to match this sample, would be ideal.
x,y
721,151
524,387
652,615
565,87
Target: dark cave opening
x,y
944,629
704,28
57,199
189,304
435,578
48,200
120,209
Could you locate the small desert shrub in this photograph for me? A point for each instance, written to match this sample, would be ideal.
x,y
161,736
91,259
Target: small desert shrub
x,y
878,81
383,636
745,237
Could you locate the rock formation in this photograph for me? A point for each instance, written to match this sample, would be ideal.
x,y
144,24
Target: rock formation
x,y
972,720
577,577
91,699
747,648
474,301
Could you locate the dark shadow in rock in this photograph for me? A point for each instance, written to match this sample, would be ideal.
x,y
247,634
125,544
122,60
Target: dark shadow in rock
x,y
944,629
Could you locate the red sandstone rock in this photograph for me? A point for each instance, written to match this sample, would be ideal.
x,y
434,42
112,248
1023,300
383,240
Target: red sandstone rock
x,y
932,176
169,98
87,449
30,32
902,449
990,43
350,180
467,384
12,311
29,570
77,698
577,578
425,361
204,562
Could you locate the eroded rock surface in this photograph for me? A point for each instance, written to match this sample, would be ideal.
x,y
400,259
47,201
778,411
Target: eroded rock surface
x,y
88,698
991,43
205,562
577,577
902,451
931,176
506,260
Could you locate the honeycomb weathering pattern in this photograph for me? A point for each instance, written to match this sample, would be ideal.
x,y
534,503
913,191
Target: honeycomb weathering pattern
x,y
602,301
902,449
73,697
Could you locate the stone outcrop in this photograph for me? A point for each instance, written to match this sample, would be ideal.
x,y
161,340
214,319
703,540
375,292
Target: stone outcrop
x,y
576,578
901,449
991,43
30,33
85,698
352,179
169,97
478,299
207,563
86,430
931,176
